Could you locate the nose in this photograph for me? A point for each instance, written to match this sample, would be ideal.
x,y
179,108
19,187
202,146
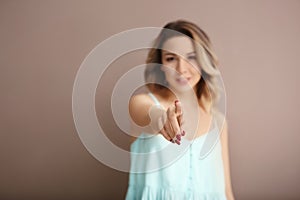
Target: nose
x,y
182,66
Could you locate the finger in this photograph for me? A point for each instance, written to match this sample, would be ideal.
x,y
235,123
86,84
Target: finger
x,y
167,126
162,129
183,133
179,112
177,142
178,108
169,130
180,120
174,123
166,135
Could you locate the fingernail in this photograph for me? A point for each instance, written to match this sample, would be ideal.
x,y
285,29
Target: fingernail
x,y
178,136
183,133
176,101
177,142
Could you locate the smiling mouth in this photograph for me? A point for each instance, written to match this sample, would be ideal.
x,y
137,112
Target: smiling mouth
x,y
183,80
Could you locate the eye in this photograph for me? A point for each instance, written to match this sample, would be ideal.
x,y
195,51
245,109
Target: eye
x,y
169,59
192,57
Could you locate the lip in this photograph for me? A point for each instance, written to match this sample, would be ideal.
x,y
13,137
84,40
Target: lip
x,y
182,81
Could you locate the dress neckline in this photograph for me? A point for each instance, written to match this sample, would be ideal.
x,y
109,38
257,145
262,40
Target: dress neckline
x,y
199,137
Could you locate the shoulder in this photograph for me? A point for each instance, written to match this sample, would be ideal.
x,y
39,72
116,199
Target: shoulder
x,y
140,100
141,96
139,106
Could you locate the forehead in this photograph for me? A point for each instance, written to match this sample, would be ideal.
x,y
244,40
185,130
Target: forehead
x,y
180,45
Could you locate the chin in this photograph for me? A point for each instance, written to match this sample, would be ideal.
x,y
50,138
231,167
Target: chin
x,y
183,88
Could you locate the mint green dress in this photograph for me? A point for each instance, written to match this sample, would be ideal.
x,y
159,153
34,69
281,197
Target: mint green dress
x,y
161,170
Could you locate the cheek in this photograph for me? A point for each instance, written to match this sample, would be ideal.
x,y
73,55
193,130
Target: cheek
x,y
169,71
197,71
196,68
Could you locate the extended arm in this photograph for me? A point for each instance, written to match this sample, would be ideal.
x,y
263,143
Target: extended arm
x,y
150,118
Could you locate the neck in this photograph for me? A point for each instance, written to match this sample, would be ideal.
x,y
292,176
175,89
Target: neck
x,y
190,98
185,95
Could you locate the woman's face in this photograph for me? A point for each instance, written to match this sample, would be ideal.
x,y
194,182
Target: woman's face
x,y
179,63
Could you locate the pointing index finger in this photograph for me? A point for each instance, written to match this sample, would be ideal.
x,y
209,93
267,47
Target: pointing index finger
x,y
178,111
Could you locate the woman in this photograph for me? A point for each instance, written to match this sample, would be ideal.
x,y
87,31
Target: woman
x,y
174,118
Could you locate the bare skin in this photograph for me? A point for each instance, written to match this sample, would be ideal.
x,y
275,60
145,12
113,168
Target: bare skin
x,y
178,115
182,74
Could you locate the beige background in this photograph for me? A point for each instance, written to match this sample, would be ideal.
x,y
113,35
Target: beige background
x,y
43,44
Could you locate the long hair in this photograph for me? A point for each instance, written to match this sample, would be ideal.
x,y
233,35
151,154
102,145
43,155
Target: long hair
x,y
206,59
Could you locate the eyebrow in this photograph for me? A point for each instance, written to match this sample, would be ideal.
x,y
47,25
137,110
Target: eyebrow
x,y
169,53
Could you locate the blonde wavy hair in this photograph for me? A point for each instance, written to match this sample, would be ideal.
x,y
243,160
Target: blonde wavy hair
x,y
207,61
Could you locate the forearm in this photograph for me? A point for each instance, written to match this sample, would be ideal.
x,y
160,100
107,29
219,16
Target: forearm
x,y
152,124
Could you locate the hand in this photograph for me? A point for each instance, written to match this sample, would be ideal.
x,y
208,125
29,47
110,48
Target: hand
x,y
171,123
